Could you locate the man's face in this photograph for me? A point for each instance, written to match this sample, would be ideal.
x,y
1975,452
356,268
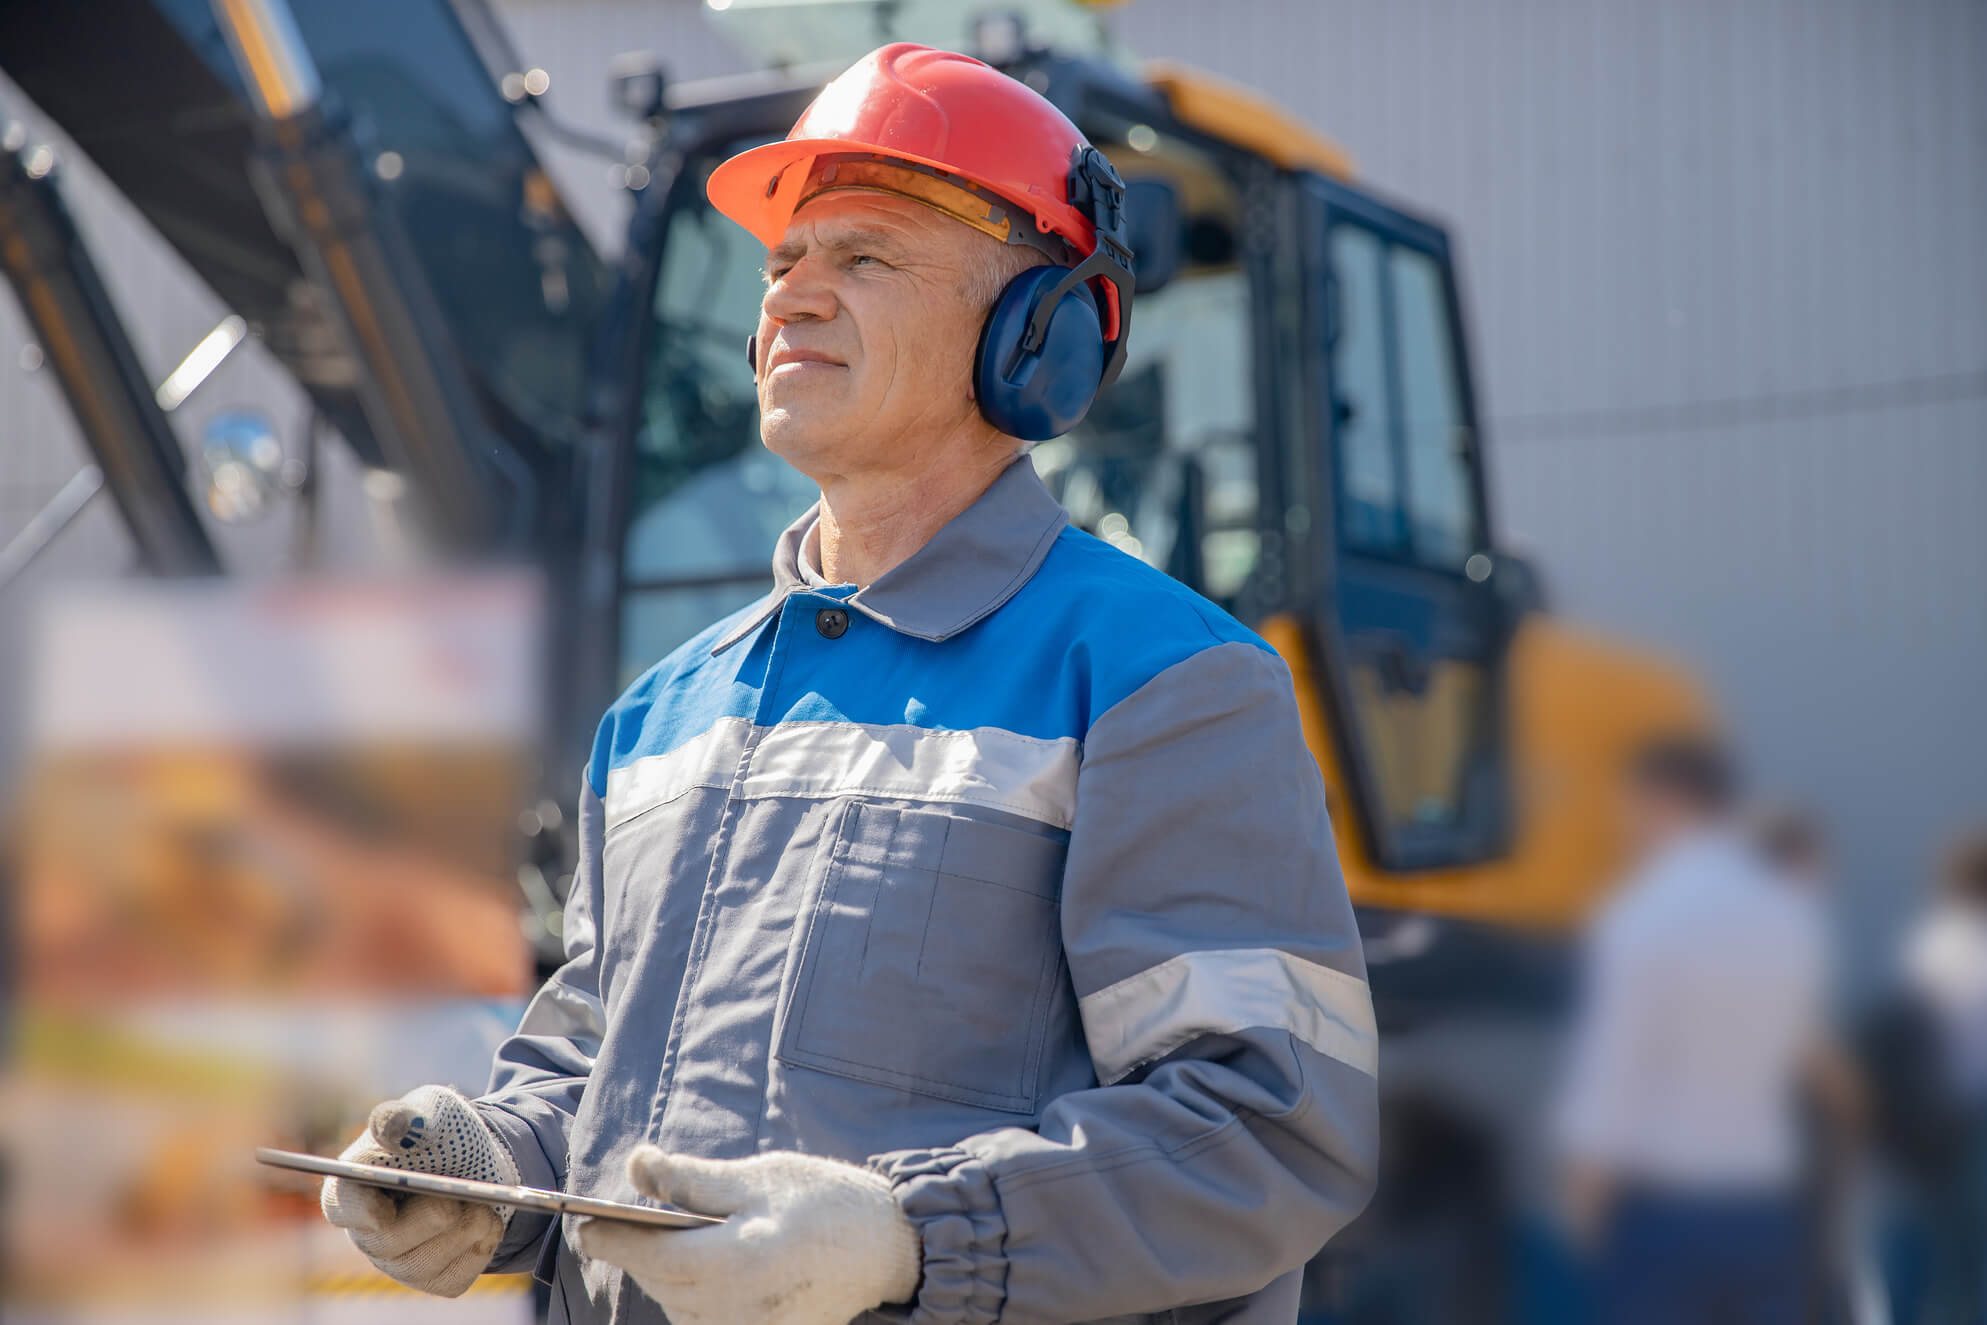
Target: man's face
x,y
866,334
1657,816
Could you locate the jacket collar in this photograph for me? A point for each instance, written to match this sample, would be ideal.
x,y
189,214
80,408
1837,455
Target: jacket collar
x,y
975,563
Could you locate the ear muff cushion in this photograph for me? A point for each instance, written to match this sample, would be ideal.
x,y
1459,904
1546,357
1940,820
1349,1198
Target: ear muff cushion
x,y
1045,394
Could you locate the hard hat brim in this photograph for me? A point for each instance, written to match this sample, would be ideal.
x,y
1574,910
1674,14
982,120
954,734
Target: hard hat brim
x,y
761,187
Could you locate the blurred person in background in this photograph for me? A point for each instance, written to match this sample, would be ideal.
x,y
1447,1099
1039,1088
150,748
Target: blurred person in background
x,y
1793,842
1701,1012
1795,845
1928,1047
1836,1101
963,919
1946,966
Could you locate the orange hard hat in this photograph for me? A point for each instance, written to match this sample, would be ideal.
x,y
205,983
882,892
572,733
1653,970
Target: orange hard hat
x,y
953,133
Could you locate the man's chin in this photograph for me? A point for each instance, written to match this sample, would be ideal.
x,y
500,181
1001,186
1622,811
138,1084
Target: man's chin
x,y
799,436
803,397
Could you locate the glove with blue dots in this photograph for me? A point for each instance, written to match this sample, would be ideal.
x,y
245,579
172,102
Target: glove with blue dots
x,y
426,1242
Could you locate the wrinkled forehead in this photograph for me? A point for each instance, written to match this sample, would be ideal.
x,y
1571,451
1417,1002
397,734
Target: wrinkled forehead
x,y
885,223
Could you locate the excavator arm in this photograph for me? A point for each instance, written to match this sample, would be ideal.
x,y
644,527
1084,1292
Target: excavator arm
x,y
63,295
381,223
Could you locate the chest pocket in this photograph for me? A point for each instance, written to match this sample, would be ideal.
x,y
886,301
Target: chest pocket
x,y
931,957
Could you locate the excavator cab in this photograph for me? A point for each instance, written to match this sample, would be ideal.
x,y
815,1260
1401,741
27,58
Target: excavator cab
x,y
1293,434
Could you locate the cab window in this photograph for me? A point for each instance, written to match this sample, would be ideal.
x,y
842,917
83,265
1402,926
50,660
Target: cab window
x,y
1435,438
1370,515
1407,486
1416,631
709,499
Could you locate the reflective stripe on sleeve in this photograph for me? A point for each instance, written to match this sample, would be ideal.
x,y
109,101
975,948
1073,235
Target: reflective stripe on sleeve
x,y
1220,992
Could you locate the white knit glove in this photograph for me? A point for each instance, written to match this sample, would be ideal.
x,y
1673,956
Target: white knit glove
x,y
427,1242
810,1241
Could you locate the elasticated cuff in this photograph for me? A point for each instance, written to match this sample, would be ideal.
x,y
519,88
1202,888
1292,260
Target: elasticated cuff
x,y
949,1197
526,1233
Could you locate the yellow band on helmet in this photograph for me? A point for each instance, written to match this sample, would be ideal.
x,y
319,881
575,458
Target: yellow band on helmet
x,y
954,197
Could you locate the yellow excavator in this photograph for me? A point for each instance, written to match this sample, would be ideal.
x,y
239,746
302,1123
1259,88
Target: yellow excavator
x,y
1295,435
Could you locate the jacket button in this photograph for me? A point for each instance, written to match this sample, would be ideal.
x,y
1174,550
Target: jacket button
x,y
832,622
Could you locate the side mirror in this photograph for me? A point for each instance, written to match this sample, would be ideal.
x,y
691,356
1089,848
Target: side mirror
x,y
1518,586
1152,215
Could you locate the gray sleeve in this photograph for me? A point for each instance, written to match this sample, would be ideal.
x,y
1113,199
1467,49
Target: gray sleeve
x,y
542,1069
1222,992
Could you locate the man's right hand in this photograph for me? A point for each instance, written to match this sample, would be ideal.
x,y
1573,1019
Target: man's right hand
x,y
430,1243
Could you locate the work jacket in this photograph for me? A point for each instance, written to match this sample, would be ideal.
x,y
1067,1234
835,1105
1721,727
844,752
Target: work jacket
x,y
1007,875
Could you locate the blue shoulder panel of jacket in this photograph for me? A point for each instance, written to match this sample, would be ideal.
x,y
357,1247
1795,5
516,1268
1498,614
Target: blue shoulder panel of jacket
x,y
1092,626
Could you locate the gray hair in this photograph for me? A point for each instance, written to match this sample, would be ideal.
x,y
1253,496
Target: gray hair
x,y
992,264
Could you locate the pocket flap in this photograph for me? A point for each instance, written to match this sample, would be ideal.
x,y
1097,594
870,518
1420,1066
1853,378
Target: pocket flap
x,y
1009,857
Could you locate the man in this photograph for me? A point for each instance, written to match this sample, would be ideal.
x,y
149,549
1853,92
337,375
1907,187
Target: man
x,y
1702,1016
962,920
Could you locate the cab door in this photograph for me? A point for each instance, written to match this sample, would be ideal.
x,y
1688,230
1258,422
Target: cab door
x,y
1401,578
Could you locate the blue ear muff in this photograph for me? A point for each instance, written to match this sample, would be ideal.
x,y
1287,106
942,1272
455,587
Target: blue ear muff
x,y
1042,393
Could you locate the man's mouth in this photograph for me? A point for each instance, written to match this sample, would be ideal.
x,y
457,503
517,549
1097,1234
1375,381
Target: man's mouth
x,y
795,360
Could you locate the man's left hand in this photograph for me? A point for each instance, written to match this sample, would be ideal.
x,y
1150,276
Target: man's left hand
x,y
808,1241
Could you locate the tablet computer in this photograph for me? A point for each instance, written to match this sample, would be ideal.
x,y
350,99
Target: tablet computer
x,y
487,1193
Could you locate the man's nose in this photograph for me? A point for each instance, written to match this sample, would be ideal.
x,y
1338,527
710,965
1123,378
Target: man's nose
x,y
800,294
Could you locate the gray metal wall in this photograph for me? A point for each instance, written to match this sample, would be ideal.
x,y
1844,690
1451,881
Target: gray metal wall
x,y
1730,291
1730,305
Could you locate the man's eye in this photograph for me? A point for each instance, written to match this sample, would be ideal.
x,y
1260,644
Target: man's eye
x,y
861,258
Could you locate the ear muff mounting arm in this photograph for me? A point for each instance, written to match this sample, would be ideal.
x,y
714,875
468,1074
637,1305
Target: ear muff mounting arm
x,y
1096,190
1101,265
